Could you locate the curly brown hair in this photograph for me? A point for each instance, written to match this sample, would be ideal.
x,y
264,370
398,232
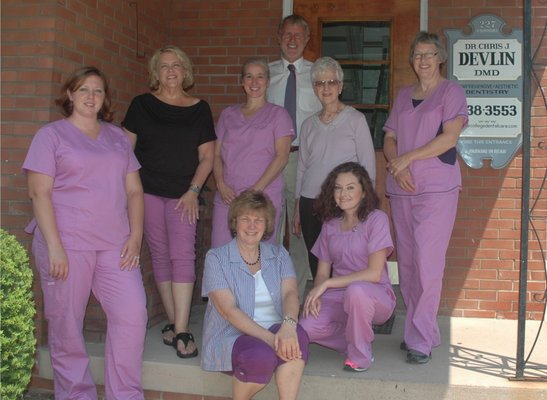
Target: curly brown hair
x,y
74,82
325,207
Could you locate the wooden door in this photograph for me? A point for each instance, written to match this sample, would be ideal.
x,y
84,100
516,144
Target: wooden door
x,y
404,16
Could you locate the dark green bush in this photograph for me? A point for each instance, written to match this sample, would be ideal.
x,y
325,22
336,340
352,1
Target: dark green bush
x,y
17,342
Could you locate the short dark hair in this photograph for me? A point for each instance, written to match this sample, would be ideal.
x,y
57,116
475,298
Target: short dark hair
x,y
74,82
252,201
326,207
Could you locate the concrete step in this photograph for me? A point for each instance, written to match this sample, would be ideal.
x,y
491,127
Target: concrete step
x,y
475,361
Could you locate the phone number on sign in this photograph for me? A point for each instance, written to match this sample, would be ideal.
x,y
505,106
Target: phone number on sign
x,y
496,110
493,117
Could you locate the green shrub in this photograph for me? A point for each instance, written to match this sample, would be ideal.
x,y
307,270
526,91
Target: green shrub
x,y
17,342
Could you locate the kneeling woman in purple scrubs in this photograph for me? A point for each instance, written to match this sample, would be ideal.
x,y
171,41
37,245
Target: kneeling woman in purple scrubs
x,y
250,329
88,206
354,244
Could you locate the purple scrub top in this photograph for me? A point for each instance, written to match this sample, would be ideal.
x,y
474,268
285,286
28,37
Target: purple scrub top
x,y
89,175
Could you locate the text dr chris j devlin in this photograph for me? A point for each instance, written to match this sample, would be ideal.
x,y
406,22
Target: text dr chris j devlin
x,y
491,57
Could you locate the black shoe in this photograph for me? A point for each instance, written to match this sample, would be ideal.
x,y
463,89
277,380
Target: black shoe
x,y
415,357
403,347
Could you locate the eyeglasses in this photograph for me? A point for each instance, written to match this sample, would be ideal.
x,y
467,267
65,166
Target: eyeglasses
x,y
329,83
252,220
424,56
167,67
292,36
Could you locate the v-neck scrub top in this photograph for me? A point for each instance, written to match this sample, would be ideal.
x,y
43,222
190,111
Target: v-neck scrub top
x,y
248,145
349,251
89,176
416,126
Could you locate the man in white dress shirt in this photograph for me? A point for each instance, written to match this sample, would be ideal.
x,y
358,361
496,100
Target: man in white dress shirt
x,y
293,36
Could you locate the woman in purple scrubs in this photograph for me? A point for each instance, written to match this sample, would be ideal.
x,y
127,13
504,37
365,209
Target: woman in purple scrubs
x,y
88,206
354,244
252,148
423,185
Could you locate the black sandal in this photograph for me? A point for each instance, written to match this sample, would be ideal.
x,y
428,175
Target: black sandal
x,y
185,337
165,329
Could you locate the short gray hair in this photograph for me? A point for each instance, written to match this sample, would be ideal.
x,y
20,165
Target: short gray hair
x,y
428,38
326,64
293,19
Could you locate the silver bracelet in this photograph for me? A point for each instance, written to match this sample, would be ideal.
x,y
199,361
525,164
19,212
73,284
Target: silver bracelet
x,y
289,320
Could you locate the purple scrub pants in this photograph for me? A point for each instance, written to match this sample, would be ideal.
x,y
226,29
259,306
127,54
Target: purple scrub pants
x,y
171,242
423,226
123,300
255,361
346,317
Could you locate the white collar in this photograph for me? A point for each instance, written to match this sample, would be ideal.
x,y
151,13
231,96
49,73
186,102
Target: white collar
x,y
297,64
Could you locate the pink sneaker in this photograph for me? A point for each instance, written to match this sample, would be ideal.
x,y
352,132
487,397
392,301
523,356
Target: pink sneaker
x,y
350,366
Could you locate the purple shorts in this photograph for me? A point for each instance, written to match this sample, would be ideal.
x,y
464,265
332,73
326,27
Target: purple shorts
x,y
255,361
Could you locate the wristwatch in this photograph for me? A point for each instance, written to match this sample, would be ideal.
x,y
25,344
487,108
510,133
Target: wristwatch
x,y
289,320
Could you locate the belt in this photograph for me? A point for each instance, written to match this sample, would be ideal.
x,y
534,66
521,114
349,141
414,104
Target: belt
x,y
294,148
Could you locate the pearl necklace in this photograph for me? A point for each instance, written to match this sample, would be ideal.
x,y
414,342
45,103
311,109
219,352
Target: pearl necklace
x,y
250,263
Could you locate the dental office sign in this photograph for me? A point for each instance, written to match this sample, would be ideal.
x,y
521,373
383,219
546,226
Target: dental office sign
x,y
488,64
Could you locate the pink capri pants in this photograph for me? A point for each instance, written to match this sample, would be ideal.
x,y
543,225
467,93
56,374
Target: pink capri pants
x,y
170,240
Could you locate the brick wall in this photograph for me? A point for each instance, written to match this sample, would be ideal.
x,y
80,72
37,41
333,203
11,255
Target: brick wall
x,y
219,36
482,276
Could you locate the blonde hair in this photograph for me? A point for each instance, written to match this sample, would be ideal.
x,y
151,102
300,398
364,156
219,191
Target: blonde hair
x,y
154,82
256,202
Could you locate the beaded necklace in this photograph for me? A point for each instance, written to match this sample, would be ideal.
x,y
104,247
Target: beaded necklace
x,y
250,263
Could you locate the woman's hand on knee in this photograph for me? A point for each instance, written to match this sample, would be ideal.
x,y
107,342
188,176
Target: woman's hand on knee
x,y
312,305
286,343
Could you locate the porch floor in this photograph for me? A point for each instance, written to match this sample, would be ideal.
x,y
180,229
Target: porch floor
x,y
475,361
